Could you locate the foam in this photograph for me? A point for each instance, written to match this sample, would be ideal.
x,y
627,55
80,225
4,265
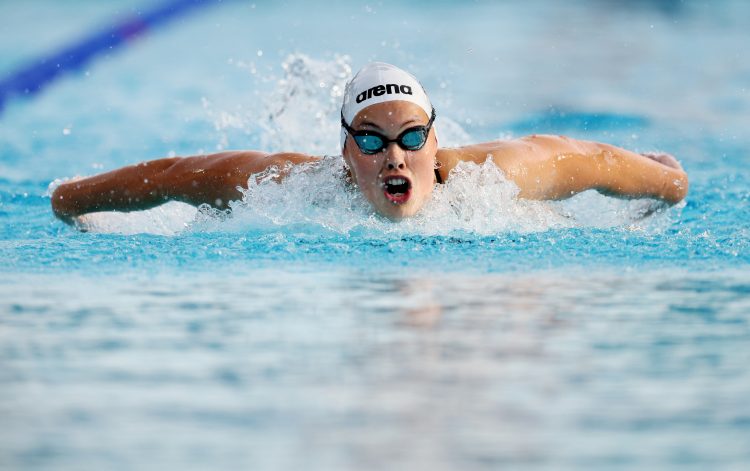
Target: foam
x,y
477,199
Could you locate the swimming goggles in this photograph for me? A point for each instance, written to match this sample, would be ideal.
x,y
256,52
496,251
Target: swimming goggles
x,y
371,142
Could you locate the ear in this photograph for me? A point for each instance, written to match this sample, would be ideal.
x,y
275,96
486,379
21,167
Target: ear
x,y
343,135
347,162
344,153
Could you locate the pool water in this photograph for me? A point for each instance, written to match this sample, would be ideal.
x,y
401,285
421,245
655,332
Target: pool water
x,y
304,332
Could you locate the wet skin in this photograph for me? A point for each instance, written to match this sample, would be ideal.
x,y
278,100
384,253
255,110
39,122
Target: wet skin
x,y
543,167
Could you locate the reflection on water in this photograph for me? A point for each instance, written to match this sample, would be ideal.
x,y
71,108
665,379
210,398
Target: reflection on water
x,y
353,369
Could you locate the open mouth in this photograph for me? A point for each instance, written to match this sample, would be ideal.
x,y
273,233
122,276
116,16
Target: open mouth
x,y
397,189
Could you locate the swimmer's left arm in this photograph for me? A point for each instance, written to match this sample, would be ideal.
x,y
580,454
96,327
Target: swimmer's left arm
x,y
622,173
559,168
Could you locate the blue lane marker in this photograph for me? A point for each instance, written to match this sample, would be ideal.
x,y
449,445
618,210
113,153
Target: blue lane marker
x,y
31,79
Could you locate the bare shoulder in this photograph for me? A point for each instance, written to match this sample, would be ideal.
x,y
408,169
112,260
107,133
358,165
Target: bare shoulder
x,y
509,154
241,164
512,150
536,163
247,162
541,146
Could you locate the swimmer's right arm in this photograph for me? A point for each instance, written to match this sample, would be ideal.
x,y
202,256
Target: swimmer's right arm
x,y
207,179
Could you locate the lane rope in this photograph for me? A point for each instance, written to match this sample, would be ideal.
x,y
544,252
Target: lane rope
x,y
32,78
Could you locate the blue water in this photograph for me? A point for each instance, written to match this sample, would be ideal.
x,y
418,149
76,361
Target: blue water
x,y
305,333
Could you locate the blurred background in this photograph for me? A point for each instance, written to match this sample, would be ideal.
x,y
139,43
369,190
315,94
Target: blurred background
x,y
209,77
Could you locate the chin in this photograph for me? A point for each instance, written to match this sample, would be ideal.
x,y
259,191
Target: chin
x,y
397,212
396,205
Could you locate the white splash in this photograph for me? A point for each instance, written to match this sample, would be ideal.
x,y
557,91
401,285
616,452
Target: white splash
x,y
168,219
301,114
477,199
317,198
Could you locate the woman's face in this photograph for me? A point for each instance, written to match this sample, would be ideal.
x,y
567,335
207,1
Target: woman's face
x,y
397,182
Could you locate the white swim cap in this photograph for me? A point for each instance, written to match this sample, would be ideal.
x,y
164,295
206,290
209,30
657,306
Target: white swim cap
x,y
378,82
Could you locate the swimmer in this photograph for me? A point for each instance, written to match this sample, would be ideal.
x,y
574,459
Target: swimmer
x,y
390,148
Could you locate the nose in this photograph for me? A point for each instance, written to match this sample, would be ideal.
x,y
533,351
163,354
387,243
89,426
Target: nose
x,y
395,157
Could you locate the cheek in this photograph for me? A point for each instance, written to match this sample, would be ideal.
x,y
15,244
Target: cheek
x,y
365,169
424,168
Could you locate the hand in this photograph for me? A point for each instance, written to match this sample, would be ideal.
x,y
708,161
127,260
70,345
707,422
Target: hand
x,y
664,159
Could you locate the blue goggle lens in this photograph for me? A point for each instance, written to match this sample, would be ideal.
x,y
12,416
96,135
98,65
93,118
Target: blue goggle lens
x,y
369,144
372,144
413,140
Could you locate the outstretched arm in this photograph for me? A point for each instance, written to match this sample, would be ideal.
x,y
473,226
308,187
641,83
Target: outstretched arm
x,y
556,167
210,179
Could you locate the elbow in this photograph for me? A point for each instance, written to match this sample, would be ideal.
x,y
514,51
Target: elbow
x,y
677,189
166,176
63,205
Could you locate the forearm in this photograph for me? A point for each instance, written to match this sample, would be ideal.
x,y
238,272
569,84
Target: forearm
x,y
206,179
131,188
629,175
564,167
549,167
